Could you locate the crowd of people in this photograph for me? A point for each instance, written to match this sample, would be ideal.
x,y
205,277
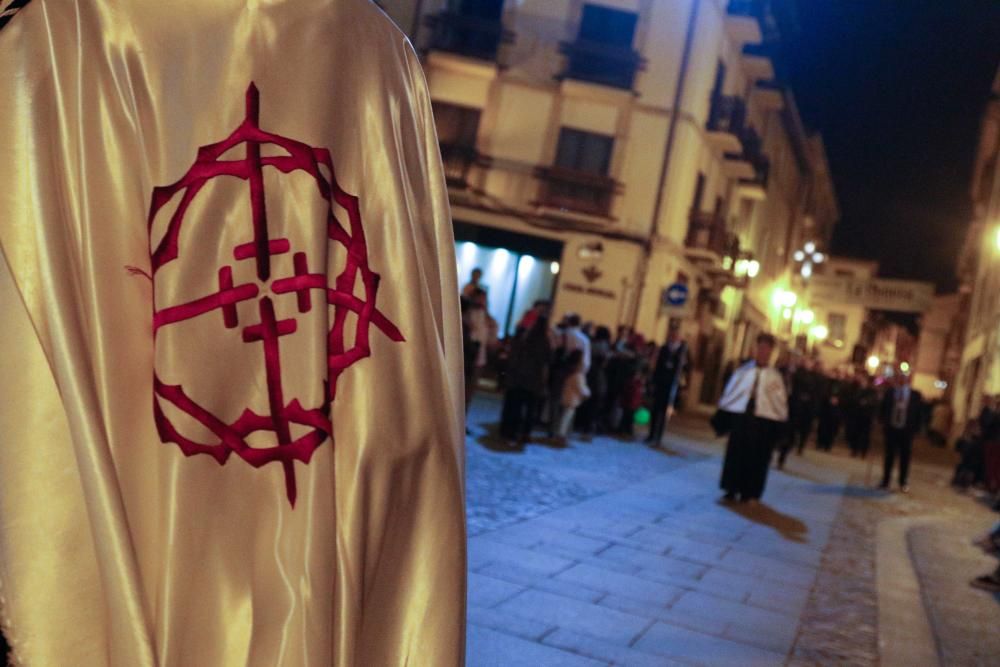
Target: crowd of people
x,y
570,377
979,470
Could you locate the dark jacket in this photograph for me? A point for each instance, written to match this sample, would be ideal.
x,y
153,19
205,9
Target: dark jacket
x,y
531,354
668,370
912,410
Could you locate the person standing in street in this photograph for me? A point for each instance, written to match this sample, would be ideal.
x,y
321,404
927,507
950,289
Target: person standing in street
x,y
527,380
756,400
900,415
469,291
860,413
575,339
989,423
805,394
574,392
830,412
670,363
475,323
588,415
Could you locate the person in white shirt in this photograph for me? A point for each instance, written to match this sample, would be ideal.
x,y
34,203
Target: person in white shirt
x,y
756,400
575,339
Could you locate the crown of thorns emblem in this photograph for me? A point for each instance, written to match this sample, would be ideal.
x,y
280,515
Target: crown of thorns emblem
x,y
267,332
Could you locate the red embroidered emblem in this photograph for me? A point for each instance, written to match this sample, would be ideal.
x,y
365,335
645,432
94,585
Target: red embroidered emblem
x,y
268,331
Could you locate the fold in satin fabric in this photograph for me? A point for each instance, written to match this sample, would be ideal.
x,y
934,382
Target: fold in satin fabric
x,y
169,492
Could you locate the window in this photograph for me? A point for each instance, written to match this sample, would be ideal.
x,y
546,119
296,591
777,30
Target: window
x,y
486,9
584,151
602,52
607,26
456,125
579,179
472,28
837,325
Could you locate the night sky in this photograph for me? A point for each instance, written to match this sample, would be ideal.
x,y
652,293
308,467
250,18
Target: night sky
x,y
898,87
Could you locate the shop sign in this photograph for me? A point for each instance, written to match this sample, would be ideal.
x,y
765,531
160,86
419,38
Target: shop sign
x,y
590,290
905,296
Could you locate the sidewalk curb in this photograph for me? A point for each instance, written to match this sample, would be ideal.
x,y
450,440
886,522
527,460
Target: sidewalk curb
x,y
905,637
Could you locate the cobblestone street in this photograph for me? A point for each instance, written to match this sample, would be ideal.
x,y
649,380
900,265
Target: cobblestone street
x,y
608,552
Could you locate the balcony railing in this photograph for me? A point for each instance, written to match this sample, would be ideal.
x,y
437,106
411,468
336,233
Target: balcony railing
x,y
753,152
577,191
604,64
467,35
458,161
707,232
727,114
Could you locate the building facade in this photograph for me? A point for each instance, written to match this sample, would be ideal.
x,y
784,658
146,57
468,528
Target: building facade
x,y
603,153
846,332
933,370
979,276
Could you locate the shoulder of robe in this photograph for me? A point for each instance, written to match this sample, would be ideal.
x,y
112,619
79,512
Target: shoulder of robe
x,y
8,10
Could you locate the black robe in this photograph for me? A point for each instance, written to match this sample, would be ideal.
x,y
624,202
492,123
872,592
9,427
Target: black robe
x,y
748,456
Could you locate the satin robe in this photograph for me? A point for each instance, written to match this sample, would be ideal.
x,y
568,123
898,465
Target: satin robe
x,y
120,547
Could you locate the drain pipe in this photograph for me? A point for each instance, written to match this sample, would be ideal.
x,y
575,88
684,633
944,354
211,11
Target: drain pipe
x,y
665,166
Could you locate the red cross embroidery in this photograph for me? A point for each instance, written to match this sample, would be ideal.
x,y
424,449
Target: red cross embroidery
x,y
269,331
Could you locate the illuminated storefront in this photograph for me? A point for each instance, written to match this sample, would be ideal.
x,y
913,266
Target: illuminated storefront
x,y
517,269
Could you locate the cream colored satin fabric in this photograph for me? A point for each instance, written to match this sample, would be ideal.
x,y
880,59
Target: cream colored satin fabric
x,y
115,547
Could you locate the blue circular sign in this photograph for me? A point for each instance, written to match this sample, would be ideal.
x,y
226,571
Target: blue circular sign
x,y
677,294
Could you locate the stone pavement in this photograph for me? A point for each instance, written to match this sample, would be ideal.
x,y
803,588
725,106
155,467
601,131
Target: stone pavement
x,y
626,557
896,563
608,552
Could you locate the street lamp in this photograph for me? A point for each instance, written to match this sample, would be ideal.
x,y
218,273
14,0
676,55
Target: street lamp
x,y
820,332
873,363
806,317
809,258
784,298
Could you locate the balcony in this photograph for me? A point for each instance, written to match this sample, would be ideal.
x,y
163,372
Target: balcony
x,y
576,191
758,62
726,120
707,237
601,63
769,95
753,154
743,21
467,35
458,161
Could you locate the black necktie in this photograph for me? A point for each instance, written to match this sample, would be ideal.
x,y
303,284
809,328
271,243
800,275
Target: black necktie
x,y
752,403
